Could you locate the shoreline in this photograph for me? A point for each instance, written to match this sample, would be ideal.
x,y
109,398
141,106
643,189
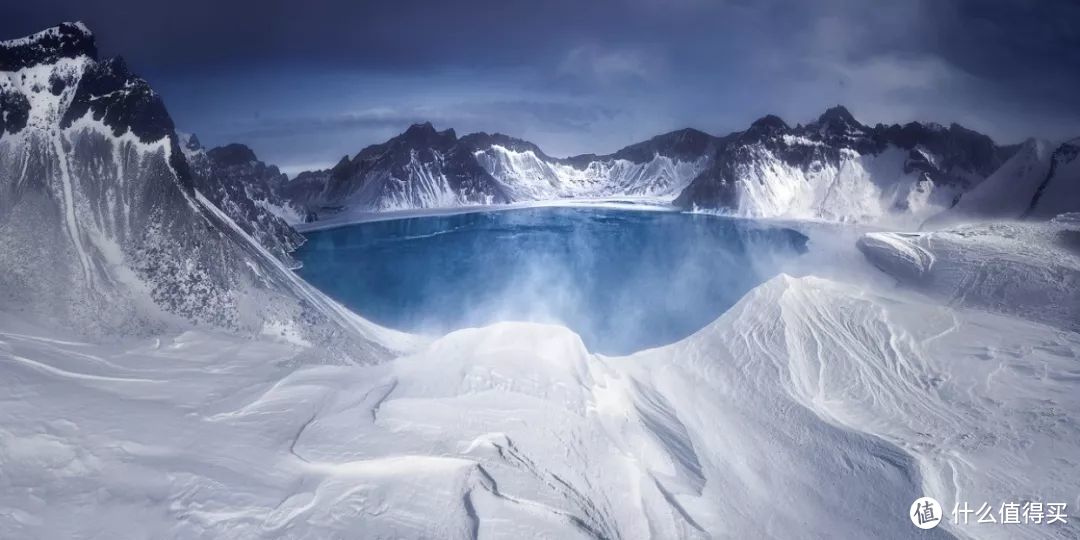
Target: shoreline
x,y
623,203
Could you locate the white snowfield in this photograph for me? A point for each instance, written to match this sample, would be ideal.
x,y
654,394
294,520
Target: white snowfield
x,y
812,409
1027,269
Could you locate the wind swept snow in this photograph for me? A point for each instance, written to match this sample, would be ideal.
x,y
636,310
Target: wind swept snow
x,y
811,409
1027,269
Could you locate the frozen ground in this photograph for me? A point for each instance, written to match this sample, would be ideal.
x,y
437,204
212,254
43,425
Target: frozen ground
x,y
812,409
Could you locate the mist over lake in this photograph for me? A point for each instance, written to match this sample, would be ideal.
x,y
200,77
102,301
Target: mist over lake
x,y
623,279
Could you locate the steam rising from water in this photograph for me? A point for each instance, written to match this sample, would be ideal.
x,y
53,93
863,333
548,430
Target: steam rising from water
x,y
624,280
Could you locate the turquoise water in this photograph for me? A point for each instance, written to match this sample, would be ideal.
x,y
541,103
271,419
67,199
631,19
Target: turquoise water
x,y
624,280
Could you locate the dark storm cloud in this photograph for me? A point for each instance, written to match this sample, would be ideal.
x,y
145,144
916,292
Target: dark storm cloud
x,y
306,82
399,35
567,116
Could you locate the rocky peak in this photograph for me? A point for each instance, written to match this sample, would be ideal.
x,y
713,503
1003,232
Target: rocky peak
x,y
837,123
67,40
685,144
121,100
421,128
837,117
191,142
424,134
232,154
344,168
766,126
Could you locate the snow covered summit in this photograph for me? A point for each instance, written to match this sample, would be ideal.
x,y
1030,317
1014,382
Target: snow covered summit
x,y
834,168
425,168
104,227
66,40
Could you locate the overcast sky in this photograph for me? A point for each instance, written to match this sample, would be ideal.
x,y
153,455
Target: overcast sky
x,y
304,83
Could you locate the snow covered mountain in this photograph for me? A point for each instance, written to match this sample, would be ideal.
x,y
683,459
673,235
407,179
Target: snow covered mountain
x,y
659,168
1040,181
249,191
839,169
834,168
103,226
421,168
425,168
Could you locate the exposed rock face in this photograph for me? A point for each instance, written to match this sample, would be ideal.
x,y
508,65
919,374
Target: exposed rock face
x,y
425,168
837,168
1059,191
249,191
1041,180
105,229
420,168
833,168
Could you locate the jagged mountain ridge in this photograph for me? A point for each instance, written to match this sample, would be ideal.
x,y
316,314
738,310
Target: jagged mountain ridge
x,y
833,168
420,168
104,229
424,168
249,191
837,168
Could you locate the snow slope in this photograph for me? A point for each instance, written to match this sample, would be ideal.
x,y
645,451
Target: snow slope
x,y
102,229
530,177
866,188
1041,181
1030,269
837,169
812,409
1059,192
1007,193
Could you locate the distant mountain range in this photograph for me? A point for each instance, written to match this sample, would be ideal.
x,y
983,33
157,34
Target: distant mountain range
x,y
834,168
122,223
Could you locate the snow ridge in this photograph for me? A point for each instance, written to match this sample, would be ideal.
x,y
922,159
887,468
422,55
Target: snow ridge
x,y
825,405
832,169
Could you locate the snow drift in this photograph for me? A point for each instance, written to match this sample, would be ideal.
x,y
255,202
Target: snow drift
x,y
811,409
1030,269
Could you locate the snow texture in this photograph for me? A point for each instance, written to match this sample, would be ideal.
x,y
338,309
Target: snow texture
x,y
814,408
1031,269
811,409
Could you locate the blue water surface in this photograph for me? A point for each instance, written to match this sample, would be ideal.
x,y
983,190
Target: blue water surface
x,y
624,280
